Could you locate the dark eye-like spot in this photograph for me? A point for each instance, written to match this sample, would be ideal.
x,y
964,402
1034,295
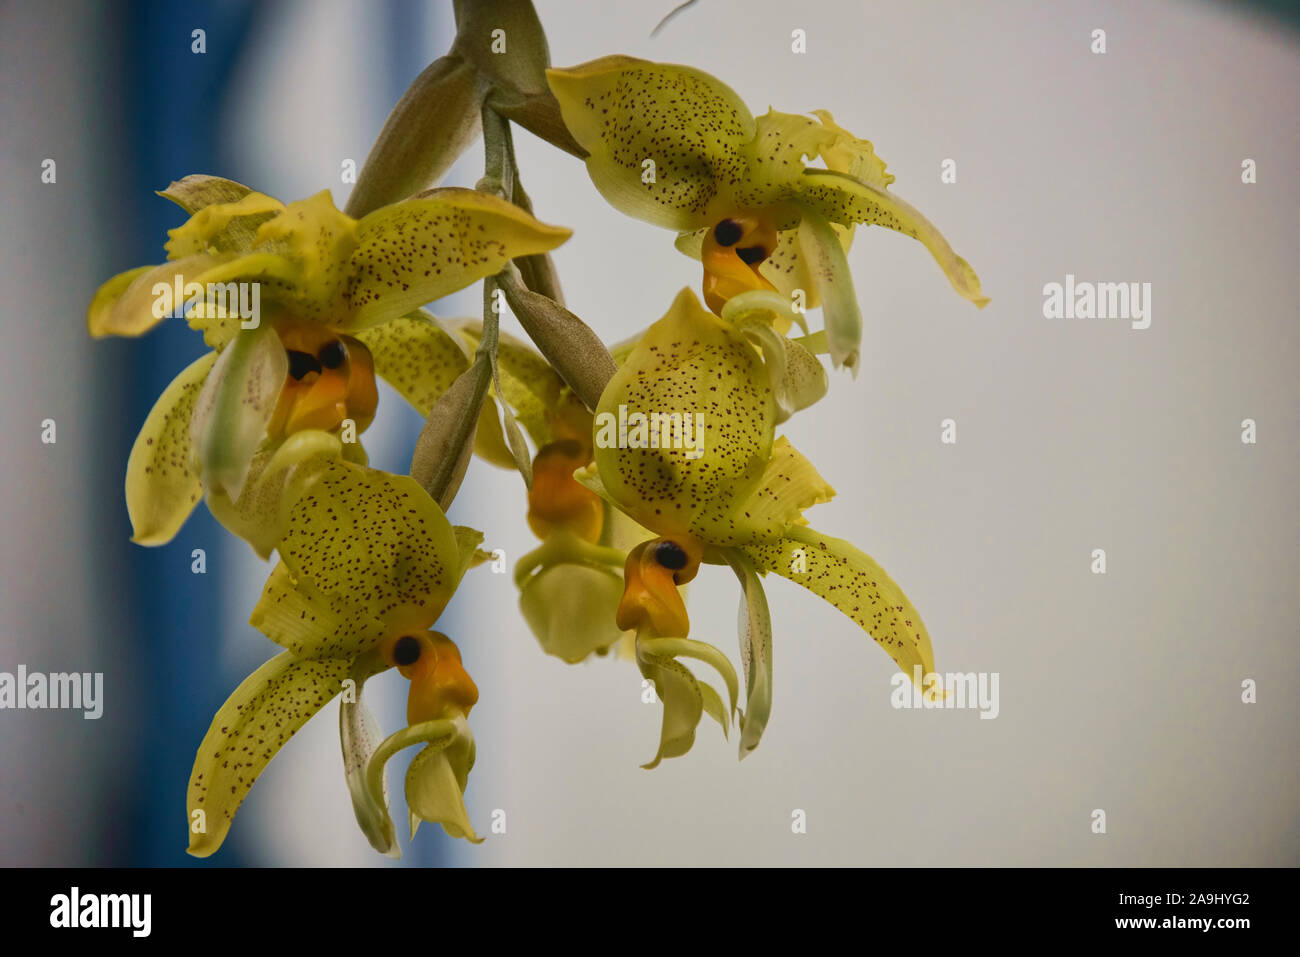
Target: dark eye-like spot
x,y
300,363
332,354
752,255
406,651
671,555
727,232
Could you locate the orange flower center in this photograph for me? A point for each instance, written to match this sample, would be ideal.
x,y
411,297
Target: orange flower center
x,y
732,252
556,499
651,575
439,683
331,379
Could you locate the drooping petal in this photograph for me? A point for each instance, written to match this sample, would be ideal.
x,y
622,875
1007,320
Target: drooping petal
x,y
423,248
374,543
666,142
824,258
436,781
234,407
842,199
680,691
700,651
690,363
714,708
789,269
683,704
437,777
755,626
162,481
851,580
359,737
265,711
570,609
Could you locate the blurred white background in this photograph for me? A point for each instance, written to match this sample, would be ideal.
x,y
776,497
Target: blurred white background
x,y
1119,691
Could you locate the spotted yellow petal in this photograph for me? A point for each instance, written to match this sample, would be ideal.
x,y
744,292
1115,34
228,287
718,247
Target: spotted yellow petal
x,y
425,247
226,227
790,270
373,543
297,617
692,363
265,711
317,242
162,481
789,485
277,477
851,580
850,154
417,357
666,142
421,359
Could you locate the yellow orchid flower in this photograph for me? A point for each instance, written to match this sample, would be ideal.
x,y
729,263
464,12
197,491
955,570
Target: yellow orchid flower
x,y
734,494
569,587
303,305
366,567
678,148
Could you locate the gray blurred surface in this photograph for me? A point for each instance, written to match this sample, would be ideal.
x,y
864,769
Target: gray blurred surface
x,y
1119,692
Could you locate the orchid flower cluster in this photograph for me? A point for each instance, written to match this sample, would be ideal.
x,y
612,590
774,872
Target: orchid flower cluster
x,y
266,427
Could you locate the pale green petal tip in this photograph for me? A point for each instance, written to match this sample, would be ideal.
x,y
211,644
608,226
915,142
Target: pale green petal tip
x,y
359,735
685,698
234,407
436,778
